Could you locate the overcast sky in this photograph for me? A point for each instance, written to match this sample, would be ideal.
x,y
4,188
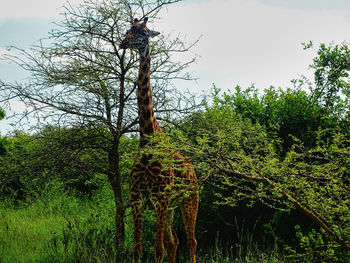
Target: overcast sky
x,y
243,41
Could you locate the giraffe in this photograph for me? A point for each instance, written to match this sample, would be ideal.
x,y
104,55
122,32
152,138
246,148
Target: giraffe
x,y
151,184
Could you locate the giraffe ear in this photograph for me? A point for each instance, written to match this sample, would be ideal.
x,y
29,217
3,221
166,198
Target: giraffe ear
x,y
152,33
143,25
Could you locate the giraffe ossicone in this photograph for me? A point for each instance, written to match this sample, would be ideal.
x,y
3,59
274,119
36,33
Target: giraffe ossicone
x,y
152,182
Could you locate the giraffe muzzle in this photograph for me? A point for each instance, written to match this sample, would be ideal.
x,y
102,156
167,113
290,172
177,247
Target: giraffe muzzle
x,y
123,45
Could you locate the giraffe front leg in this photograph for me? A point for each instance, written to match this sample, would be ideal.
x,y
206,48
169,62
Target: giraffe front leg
x,y
137,212
161,215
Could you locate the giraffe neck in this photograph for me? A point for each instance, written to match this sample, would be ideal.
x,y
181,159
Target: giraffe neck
x,y
147,121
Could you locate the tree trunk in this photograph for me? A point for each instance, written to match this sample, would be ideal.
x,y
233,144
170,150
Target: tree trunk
x,y
115,180
119,219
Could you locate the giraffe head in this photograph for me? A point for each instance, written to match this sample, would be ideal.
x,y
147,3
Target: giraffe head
x,y
137,37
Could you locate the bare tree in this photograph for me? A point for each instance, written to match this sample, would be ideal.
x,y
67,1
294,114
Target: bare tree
x,y
80,77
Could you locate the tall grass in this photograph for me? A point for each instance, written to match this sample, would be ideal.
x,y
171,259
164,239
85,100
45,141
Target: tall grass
x,y
59,227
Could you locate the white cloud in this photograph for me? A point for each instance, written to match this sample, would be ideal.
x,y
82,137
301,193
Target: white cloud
x,y
17,9
246,42
3,52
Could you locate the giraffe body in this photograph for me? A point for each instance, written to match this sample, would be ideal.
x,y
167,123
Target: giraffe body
x,y
162,188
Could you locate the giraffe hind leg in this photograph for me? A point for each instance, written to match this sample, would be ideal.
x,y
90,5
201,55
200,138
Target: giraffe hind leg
x,y
137,210
170,238
161,208
189,213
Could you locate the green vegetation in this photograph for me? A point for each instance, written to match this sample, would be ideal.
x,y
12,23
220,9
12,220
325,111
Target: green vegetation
x,y
58,227
61,227
2,113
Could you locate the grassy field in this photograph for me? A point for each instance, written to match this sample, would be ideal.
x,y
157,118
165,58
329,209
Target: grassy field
x,y
75,233
58,227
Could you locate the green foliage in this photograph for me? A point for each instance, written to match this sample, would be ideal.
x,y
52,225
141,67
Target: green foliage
x,y
74,156
332,66
15,170
281,112
3,141
241,160
331,90
2,113
221,136
315,245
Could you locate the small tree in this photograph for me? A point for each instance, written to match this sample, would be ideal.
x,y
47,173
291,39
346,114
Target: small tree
x,y
332,66
80,77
